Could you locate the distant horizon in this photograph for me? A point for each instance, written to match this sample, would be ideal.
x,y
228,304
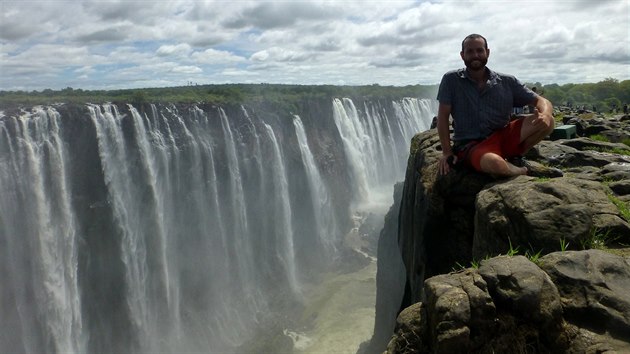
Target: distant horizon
x,y
274,84
105,45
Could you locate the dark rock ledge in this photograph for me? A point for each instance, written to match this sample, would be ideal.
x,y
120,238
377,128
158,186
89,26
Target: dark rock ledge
x,y
571,294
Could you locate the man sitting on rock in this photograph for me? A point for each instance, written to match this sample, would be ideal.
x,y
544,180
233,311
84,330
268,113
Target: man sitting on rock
x,y
480,102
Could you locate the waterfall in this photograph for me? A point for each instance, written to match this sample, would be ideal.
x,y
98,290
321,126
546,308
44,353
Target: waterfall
x,y
409,110
180,228
355,143
241,250
285,249
38,236
326,225
376,146
136,217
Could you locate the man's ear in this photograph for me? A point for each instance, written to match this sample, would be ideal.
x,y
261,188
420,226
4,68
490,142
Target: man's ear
x,y
488,52
461,54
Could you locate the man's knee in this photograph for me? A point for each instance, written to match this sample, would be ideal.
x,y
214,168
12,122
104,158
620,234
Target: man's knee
x,y
492,163
548,126
540,128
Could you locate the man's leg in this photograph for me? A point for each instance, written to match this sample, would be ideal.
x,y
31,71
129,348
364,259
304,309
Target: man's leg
x,y
531,131
495,165
486,156
534,130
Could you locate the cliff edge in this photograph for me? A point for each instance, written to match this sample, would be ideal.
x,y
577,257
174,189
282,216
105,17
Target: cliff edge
x,y
513,265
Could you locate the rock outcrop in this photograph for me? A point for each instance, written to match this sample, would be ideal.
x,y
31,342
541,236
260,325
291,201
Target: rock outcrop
x,y
538,282
569,302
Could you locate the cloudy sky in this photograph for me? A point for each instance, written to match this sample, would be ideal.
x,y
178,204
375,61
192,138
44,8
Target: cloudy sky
x,y
96,44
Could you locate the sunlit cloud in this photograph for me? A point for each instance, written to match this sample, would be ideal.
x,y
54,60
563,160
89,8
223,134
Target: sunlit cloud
x,y
127,44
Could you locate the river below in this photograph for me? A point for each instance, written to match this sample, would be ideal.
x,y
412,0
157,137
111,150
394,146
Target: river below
x,y
339,311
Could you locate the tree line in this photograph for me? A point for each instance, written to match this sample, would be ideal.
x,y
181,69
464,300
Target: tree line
x,y
215,94
602,96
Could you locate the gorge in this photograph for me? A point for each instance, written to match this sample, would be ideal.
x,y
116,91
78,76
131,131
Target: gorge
x,y
185,227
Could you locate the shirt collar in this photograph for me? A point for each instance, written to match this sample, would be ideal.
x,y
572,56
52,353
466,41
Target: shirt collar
x,y
492,76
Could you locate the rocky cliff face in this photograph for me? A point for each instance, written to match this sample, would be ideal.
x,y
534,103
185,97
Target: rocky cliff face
x,y
554,292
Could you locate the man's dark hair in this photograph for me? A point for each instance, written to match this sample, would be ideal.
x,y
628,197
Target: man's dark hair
x,y
475,36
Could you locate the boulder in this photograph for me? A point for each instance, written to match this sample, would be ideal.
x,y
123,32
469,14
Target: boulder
x,y
460,312
589,144
616,171
574,302
411,331
594,288
523,289
514,304
621,187
538,216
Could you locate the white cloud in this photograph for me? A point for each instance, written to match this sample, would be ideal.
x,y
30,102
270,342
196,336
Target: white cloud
x,y
268,14
111,34
188,69
216,57
260,56
118,44
182,49
279,54
84,70
48,57
239,73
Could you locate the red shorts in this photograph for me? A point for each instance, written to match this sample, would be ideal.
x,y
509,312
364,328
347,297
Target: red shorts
x,y
505,142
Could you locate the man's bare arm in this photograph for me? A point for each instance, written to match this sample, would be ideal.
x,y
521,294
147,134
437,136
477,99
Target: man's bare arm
x,y
545,109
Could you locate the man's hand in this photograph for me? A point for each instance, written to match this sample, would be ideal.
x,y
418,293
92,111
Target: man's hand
x,y
539,118
536,117
445,163
444,112
543,112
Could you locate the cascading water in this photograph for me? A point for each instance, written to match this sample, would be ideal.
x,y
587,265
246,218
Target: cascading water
x,y
164,228
38,237
325,222
373,142
355,143
285,249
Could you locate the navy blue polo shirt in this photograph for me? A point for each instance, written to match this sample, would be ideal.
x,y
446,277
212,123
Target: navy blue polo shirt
x,y
479,113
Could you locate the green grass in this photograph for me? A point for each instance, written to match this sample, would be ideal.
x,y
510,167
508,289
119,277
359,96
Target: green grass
x,y
617,151
512,251
602,138
541,179
587,115
598,137
458,267
563,244
473,264
622,206
598,239
534,257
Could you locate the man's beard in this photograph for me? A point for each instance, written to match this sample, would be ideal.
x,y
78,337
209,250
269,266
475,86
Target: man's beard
x,y
475,64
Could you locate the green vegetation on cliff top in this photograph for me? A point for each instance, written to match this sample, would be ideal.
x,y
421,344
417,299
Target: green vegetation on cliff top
x,y
602,96
215,94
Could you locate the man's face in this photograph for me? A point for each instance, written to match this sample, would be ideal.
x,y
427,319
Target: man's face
x,y
475,55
